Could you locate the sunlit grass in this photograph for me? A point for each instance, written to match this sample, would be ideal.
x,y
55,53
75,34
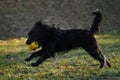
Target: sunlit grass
x,y
12,45
108,39
74,65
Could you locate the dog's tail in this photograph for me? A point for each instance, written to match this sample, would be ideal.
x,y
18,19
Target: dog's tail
x,y
96,22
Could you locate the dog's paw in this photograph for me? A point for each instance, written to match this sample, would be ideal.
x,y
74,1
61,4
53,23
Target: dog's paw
x,y
27,59
34,64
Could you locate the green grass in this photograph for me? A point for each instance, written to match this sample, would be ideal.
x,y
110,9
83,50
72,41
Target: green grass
x,y
74,65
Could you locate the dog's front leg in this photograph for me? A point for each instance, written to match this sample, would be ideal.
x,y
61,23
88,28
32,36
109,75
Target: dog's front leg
x,y
34,54
48,52
40,60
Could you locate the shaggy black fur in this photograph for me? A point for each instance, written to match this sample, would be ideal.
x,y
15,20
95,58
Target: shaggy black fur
x,y
55,40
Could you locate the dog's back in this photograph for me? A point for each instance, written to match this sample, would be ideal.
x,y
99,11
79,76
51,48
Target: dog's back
x,y
71,38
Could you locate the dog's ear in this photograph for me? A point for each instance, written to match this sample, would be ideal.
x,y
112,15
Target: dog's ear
x,y
39,23
53,28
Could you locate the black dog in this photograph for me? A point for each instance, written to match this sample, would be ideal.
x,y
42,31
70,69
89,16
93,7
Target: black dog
x,y
55,40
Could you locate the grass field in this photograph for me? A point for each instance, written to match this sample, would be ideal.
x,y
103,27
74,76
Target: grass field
x,y
74,65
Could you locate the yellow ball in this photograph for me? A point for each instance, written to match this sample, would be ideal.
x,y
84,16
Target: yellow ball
x,y
34,45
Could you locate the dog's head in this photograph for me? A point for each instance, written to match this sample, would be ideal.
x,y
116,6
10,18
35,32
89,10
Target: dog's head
x,y
39,34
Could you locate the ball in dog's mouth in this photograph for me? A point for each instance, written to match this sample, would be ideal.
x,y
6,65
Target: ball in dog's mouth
x,y
34,45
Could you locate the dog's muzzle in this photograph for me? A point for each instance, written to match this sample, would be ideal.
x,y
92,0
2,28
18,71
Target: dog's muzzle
x,y
34,45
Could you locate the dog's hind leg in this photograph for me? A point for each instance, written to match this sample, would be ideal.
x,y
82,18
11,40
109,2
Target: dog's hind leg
x,y
94,51
108,63
95,54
